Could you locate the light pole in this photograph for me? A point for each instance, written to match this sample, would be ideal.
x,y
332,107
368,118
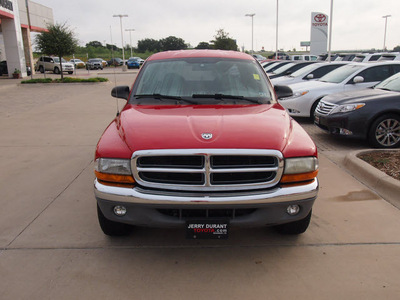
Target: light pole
x,y
130,38
330,33
251,15
276,45
122,38
384,36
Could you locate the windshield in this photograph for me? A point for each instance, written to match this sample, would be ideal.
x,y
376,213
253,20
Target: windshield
x,y
57,60
282,69
340,74
303,71
391,84
203,81
271,66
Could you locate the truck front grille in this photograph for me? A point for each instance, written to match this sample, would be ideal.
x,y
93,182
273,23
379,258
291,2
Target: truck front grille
x,y
207,169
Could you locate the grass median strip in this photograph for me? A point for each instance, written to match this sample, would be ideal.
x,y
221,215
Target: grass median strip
x,y
66,80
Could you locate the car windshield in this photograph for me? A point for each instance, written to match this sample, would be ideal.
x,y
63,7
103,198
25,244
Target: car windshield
x,y
203,81
271,66
340,74
282,69
303,71
392,83
57,60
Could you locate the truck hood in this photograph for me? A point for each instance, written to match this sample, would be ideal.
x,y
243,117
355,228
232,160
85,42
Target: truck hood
x,y
182,127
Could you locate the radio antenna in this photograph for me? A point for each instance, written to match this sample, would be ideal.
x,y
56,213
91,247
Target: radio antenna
x,y
112,61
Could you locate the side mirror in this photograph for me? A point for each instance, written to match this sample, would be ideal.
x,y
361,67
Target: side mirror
x,y
310,76
283,91
358,79
121,92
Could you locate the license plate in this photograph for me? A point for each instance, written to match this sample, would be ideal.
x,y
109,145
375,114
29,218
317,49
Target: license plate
x,y
207,229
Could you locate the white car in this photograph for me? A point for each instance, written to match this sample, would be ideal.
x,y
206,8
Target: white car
x,y
390,56
307,73
304,57
77,63
50,63
354,76
365,57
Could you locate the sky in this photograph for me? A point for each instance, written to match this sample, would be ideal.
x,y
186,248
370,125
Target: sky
x,y
357,24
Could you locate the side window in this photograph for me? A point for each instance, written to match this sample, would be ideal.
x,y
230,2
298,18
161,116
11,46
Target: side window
x,y
47,59
375,74
306,58
374,57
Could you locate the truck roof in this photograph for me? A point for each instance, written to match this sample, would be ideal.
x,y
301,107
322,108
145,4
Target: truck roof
x,y
200,53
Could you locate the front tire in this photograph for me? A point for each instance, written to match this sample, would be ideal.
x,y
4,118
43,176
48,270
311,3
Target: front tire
x,y
385,132
313,108
112,228
297,227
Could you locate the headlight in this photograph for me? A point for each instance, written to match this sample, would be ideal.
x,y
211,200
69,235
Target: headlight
x,y
300,169
113,166
346,108
299,94
114,172
295,95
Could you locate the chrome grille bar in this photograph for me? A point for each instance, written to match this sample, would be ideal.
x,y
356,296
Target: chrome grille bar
x,y
266,172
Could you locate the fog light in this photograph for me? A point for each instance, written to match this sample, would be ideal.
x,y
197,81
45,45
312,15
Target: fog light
x,y
293,210
344,131
120,211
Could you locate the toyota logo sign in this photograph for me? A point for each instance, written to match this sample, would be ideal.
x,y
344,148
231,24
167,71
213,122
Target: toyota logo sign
x,y
320,18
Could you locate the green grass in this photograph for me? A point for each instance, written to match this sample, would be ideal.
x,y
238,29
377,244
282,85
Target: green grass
x,y
66,80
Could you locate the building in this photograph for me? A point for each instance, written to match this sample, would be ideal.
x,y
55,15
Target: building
x,y
15,31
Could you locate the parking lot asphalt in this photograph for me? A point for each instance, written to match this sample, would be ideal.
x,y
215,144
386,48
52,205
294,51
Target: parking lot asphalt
x,y
51,246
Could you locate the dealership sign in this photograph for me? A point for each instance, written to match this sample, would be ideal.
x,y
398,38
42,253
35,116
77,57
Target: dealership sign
x,y
319,33
6,4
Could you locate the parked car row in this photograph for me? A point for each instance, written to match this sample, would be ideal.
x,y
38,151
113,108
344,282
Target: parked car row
x,y
51,63
353,99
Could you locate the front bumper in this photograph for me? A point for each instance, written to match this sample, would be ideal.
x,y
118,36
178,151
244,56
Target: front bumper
x,y
147,208
299,106
335,124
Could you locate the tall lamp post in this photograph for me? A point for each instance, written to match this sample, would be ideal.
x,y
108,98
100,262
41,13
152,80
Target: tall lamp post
x,y
130,38
384,36
330,33
251,15
276,45
122,38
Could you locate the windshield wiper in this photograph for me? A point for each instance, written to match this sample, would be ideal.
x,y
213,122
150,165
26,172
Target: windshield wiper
x,y
168,97
223,96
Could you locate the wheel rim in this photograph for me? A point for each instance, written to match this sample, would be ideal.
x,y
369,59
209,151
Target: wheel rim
x,y
387,132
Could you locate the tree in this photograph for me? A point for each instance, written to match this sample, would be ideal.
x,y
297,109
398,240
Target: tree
x,y
58,40
172,43
150,45
396,49
223,41
203,45
95,44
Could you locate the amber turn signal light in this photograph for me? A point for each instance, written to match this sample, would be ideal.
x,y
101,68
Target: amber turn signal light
x,y
291,178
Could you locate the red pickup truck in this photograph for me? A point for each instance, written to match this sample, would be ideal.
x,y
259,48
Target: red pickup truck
x,y
203,144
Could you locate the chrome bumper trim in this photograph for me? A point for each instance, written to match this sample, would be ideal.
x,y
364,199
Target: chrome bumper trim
x,y
135,195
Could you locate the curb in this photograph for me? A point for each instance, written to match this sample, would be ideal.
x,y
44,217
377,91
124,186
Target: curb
x,y
386,186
